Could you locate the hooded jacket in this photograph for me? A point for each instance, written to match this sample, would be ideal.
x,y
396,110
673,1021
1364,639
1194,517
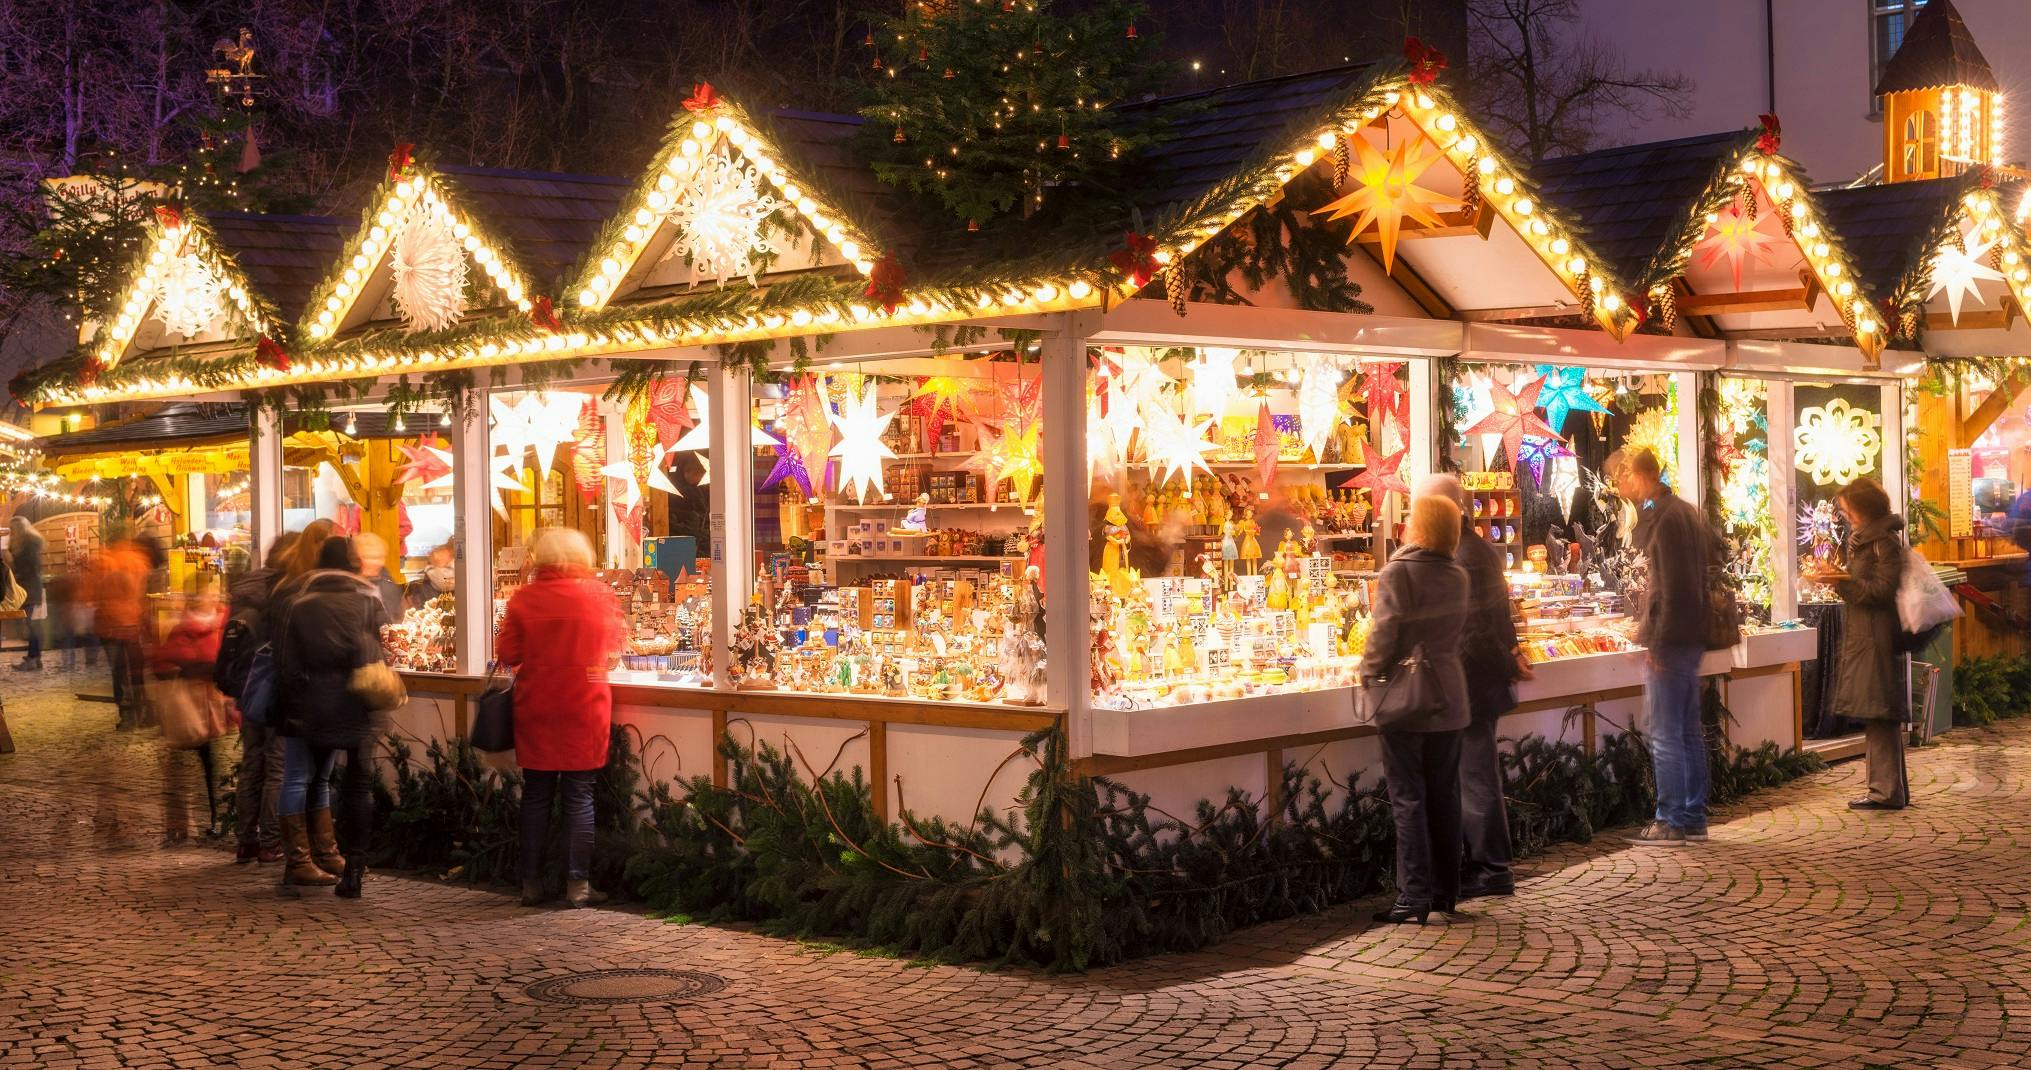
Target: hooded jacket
x,y
329,626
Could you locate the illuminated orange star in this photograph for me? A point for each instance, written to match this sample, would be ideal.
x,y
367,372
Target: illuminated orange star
x,y
1386,192
1733,236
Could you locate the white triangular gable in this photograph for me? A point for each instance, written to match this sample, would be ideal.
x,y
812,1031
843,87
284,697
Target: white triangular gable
x,y
184,290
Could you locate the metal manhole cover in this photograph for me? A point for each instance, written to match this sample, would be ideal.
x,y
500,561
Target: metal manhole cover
x,y
626,986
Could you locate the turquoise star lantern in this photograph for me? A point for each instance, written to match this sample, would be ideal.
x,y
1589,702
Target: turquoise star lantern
x,y
1565,391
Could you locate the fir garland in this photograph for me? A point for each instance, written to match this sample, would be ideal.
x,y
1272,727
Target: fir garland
x,y
1281,241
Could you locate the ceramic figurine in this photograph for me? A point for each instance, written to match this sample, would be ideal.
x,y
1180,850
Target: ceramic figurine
x,y
918,518
1114,555
1229,549
1251,550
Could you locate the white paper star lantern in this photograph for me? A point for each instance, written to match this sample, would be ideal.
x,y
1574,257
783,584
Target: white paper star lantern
x,y
552,421
1212,379
861,449
427,271
1103,450
1959,269
189,298
1318,406
699,437
1176,444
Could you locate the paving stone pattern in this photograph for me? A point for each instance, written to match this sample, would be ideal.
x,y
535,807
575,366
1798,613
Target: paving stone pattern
x,y
1803,935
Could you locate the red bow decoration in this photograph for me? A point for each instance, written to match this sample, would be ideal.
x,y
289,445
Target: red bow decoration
x,y
885,283
1985,176
1425,61
703,98
89,374
1771,137
270,353
1138,262
169,215
400,159
543,315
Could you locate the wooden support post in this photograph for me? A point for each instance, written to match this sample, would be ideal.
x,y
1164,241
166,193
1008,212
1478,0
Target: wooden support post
x,y
719,772
472,495
1783,508
264,478
1589,731
1066,592
878,767
1272,767
731,526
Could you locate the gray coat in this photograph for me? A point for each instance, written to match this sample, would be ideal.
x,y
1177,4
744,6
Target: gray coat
x,y
1488,646
1674,539
1421,599
1870,674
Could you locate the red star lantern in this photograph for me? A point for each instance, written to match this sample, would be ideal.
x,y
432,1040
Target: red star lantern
x,y
1515,416
425,464
588,454
630,518
668,412
1388,401
1381,474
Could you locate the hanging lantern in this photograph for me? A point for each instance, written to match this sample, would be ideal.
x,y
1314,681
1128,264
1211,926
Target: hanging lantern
x,y
949,75
923,54
898,138
973,226
1064,141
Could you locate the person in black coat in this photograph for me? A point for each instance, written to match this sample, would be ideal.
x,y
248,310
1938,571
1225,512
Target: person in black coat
x,y
25,551
1493,665
259,781
1421,607
330,628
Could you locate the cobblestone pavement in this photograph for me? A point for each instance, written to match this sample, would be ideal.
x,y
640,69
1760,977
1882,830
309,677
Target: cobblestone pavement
x,y
1802,935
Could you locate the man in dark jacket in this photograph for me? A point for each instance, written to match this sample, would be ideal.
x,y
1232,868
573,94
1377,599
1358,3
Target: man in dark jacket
x,y
1671,624
1488,653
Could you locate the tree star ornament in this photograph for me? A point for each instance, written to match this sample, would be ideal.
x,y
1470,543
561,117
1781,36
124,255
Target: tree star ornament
x,y
1318,406
1380,474
721,218
1959,269
1738,238
427,271
1565,392
1837,443
1514,416
1386,192
861,449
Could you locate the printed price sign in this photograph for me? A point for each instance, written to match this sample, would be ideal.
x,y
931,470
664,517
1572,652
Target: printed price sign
x,y
1960,510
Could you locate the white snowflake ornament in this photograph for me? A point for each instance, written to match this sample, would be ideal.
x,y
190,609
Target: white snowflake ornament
x,y
721,218
428,270
189,298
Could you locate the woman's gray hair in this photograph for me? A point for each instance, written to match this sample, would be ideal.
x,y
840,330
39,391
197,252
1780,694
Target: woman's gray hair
x,y
561,546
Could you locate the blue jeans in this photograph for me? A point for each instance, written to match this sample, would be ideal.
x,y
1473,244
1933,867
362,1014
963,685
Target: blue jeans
x,y
539,787
1678,744
306,777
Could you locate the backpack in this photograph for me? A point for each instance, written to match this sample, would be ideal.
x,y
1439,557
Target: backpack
x,y
257,692
237,646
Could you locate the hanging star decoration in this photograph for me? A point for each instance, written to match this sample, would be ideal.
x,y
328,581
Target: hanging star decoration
x,y
553,423
506,481
1022,401
1268,446
1388,401
1380,474
1386,192
1959,269
1010,456
629,516
1175,444
667,411
1733,235
1656,430
1104,452
1564,393
1514,416
788,467
427,466
1211,374
861,450
699,438
938,400
588,452
1318,406
1837,443
807,435
1536,452
649,468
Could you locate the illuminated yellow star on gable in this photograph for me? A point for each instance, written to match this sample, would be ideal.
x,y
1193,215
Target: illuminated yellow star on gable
x,y
1386,192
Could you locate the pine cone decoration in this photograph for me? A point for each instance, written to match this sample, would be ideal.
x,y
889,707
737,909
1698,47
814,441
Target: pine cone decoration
x,y
1581,280
1907,323
1343,159
1470,186
1667,309
1749,205
1785,217
1996,257
1174,288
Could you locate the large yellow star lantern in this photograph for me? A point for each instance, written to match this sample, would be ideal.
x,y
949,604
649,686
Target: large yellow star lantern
x,y
1014,456
1739,238
1386,192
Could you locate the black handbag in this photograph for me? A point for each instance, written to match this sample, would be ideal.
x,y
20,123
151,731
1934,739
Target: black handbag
x,y
493,723
1409,693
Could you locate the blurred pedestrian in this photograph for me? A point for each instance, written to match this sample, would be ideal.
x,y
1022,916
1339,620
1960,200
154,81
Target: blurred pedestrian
x,y
24,552
1671,624
1421,604
1871,686
561,633
373,551
117,578
1493,663
330,630
258,785
440,575
191,709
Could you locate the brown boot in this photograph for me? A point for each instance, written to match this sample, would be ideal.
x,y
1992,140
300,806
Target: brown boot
x,y
324,848
300,869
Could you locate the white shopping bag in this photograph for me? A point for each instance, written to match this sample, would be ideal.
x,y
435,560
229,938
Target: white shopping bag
x,y
1922,601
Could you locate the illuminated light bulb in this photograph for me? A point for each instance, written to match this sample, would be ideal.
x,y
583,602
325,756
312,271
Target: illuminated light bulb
x,y
1822,250
806,205
1861,308
724,123
1865,327
333,303
864,266
850,250
1797,210
1424,102
773,320
1538,227
1846,288
157,258
1595,284
1162,256
1505,185
801,317
817,220
830,315
325,317
1770,172
1524,207
1560,247
1749,165
1833,270
1304,157
610,267
643,217
658,201
2021,275
701,131
370,247
386,218
377,233
1046,292
985,300
1011,299
1328,139
689,148
472,245
359,263
790,192
862,312
678,166
1575,266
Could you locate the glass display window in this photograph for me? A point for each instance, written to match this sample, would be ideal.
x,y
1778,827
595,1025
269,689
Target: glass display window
x,y
1239,505
898,531
629,473
1532,442
1837,437
1741,453
1999,467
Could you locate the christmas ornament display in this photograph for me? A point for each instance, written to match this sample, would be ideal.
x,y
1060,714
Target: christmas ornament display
x,y
427,270
722,220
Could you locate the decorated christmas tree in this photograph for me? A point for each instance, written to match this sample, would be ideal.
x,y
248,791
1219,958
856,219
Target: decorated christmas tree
x,y
989,104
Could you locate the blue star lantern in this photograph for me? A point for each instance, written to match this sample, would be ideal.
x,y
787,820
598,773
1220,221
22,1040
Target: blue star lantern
x,y
1565,391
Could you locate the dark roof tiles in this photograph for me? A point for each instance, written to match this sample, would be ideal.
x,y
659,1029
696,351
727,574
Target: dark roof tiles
x,y
1938,50
549,219
1628,201
284,257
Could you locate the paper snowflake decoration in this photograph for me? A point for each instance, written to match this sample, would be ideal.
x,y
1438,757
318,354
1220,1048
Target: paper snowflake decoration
x,y
1565,392
1386,192
722,220
861,449
189,297
1318,406
1175,444
1837,443
1958,270
427,272
1732,236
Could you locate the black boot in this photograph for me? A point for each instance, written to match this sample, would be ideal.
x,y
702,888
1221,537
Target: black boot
x,y
1400,913
349,884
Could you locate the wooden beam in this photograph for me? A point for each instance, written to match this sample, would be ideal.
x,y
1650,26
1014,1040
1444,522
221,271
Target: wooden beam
x,y
1992,408
1413,284
1748,301
1994,319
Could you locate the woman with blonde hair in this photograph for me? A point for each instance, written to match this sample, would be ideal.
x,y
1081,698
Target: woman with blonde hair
x,y
561,633
1421,609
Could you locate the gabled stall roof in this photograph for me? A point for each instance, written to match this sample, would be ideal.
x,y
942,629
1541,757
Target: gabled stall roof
x,y
1899,235
284,256
549,218
176,239
1632,199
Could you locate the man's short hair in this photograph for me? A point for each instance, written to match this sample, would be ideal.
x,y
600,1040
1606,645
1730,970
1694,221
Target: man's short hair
x,y
1639,460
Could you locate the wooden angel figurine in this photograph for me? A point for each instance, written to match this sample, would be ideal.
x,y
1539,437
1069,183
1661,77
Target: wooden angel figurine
x,y
1114,555
1251,550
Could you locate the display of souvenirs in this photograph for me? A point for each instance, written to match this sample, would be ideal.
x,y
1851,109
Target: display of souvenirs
x,y
422,640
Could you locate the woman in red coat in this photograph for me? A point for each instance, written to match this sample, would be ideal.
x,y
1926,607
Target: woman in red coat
x,y
561,634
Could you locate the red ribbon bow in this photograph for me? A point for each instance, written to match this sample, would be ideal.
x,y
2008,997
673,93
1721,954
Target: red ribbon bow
x,y
269,352
89,374
169,215
1771,137
1138,262
1425,61
702,98
885,283
399,160
543,315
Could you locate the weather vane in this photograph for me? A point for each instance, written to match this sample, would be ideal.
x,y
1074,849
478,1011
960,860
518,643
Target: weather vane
x,y
238,77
